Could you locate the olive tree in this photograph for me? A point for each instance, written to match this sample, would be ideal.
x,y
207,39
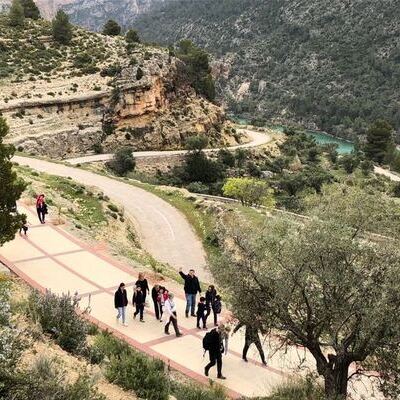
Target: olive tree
x,y
330,283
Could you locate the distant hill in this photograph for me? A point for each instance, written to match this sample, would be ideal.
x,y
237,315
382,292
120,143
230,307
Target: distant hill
x,y
328,64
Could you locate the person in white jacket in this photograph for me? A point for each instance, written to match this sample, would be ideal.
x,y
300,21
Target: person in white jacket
x,y
170,315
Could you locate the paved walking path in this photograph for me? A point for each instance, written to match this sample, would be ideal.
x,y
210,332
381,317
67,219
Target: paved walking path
x,y
164,231
256,139
50,258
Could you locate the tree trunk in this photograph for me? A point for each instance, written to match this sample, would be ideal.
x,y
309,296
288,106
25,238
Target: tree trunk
x,y
336,382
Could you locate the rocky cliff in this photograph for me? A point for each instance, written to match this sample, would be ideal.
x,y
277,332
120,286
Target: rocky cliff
x,y
95,94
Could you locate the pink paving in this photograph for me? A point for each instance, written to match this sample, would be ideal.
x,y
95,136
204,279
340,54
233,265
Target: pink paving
x,y
49,258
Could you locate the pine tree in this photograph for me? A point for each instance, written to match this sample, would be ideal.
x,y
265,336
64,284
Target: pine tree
x,y
379,144
10,190
62,29
16,14
111,28
30,9
132,36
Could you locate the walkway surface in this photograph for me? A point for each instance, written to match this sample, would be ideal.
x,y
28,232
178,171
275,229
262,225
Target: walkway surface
x,y
163,231
50,258
256,139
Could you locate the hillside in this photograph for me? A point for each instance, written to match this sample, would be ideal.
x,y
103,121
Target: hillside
x,y
96,93
327,64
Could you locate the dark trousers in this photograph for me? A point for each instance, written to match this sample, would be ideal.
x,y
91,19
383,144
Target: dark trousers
x,y
201,317
41,214
175,325
215,315
215,358
157,309
139,310
258,345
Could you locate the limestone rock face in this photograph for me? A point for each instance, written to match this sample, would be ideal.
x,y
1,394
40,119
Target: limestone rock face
x,y
154,109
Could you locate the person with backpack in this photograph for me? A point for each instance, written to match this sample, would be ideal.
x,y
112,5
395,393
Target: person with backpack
x,y
121,302
192,286
251,336
170,310
211,293
213,343
217,309
41,208
138,300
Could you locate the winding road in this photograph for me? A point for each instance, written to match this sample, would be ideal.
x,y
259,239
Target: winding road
x,y
164,232
256,139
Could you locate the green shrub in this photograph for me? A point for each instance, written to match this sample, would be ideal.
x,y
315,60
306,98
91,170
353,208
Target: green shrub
x,y
57,316
195,392
113,207
122,162
197,187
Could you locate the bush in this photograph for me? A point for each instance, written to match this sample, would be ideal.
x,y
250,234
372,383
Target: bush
x,y
396,189
132,370
57,316
195,392
197,187
111,28
132,36
113,207
122,162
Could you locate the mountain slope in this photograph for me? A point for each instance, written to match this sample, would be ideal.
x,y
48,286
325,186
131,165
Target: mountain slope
x,y
329,64
96,93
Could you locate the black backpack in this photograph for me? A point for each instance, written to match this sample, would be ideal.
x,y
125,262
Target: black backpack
x,y
207,340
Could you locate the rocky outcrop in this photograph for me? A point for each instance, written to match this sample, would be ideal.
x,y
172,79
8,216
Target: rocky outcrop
x,y
149,107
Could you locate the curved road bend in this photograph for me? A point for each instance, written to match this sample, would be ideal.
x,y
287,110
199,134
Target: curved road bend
x,y
257,139
164,232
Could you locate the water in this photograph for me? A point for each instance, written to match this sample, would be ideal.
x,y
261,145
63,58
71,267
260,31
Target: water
x,y
343,146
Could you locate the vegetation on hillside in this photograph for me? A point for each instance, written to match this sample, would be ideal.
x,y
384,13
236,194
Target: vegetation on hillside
x,y
330,63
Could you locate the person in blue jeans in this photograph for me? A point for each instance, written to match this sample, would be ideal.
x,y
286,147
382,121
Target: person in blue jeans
x,y
192,287
120,303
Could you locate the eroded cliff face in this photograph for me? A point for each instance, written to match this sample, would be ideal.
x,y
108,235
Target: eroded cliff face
x,y
158,111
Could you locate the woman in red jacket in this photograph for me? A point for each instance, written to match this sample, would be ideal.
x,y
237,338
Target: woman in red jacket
x,y
41,208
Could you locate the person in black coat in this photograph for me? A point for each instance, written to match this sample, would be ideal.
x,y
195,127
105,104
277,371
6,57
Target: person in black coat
x,y
138,300
201,313
191,287
211,294
142,282
216,350
154,295
121,302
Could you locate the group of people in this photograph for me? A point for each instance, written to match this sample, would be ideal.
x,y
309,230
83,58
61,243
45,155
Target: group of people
x,y
215,341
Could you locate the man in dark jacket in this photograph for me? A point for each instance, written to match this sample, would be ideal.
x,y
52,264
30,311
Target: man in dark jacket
x,y
192,286
251,336
216,349
154,296
121,302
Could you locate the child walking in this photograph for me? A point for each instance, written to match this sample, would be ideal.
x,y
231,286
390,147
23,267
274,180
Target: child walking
x,y
138,300
201,313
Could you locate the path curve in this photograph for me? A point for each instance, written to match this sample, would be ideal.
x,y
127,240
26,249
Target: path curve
x,y
164,231
382,171
257,139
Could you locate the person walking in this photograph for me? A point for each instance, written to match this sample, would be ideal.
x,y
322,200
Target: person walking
x,y
211,293
251,336
23,227
144,285
213,343
191,287
154,296
138,300
201,313
121,302
162,298
170,310
41,208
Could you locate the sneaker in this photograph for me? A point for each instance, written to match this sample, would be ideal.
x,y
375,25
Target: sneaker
x,y
134,316
245,359
167,333
221,377
125,324
179,334
198,327
186,315
205,371
142,320
264,363
193,315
